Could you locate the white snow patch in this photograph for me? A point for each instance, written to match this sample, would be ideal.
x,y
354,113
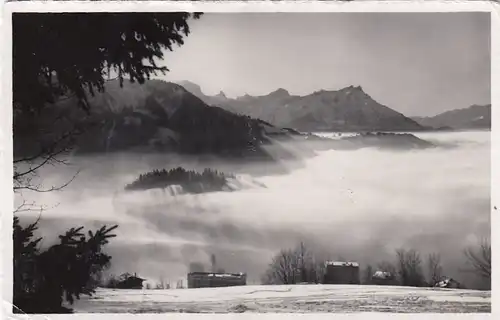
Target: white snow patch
x,y
289,298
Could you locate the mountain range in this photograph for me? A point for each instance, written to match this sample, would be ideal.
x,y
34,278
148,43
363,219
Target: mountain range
x,y
473,117
165,116
349,109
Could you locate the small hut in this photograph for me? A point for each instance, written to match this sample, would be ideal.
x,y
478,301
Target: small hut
x,y
384,278
448,283
339,272
128,281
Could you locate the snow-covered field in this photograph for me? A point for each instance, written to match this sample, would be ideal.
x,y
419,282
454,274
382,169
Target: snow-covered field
x,y
288,299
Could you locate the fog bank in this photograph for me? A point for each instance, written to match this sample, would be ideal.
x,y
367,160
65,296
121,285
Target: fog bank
x,y
354,205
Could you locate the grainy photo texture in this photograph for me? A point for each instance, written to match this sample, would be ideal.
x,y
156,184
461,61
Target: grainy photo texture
x,y
251,162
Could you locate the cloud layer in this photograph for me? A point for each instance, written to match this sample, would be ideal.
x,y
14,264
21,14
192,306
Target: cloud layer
x,y
356,205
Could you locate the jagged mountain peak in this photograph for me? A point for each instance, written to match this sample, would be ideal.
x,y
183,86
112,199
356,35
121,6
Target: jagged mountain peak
x,y
221,94
345,91
244,97
346,109
279,92
192,87
352,88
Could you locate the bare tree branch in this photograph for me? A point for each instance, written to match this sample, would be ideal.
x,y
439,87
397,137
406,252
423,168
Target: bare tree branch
x,y
480,258
38,188
434,268
47,155
293,266
26,206
50,151
409,268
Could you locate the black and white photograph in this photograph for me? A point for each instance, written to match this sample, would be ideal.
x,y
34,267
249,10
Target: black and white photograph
x,y
217,162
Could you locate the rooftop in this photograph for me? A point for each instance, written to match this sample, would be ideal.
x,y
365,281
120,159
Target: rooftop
x,y
342,263
382,275
214,274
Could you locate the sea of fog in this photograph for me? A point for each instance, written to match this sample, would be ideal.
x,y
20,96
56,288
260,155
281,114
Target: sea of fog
x,y
351,205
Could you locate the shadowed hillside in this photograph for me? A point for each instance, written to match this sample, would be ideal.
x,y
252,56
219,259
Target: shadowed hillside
x,y
155,116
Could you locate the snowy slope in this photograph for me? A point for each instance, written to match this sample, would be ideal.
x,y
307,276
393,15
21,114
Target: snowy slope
x,y
288,299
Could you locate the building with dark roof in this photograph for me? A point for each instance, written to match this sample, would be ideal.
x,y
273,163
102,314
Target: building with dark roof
x,y
448,283
340,272
211,279
127,281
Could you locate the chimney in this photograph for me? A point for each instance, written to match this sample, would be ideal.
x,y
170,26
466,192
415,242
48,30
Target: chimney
x,y
214,265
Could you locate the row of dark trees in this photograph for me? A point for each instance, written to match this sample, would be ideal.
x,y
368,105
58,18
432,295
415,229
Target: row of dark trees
x,y
302,265
191,181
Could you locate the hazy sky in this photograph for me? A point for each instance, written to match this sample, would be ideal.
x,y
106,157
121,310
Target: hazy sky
x,y
416,63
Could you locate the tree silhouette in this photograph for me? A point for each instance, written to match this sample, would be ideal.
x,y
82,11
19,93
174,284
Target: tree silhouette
x,y
479,258
410,268
57,57
191,181
291,266
434,268
42,279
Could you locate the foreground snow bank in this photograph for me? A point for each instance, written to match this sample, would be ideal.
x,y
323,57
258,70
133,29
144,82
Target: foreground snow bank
x,y
292,298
